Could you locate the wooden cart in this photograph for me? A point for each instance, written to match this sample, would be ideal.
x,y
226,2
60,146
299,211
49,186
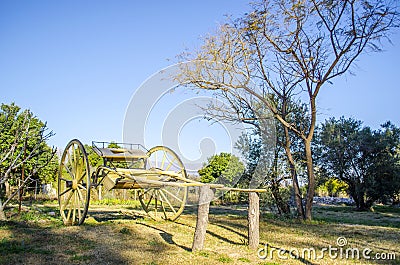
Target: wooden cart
x,y
159,174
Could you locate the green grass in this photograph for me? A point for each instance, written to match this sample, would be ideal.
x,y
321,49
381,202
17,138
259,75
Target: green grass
x,y
108,201
77,257
153,243
385,216
243,259
43,251
125,231
13,246
225,259
203,254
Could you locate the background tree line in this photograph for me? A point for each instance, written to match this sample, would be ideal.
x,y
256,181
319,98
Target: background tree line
x,y
25,156
349,158
367,160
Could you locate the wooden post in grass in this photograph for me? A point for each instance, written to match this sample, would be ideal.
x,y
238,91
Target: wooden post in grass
x,y
205,197
254,220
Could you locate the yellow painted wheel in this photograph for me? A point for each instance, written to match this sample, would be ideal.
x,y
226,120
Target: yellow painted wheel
x,y
166,202
74,184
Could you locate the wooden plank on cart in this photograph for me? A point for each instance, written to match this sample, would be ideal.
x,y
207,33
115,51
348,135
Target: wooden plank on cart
x,y
118,154
110,180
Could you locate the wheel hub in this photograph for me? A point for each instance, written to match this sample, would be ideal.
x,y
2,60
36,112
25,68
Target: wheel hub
x,y
74,184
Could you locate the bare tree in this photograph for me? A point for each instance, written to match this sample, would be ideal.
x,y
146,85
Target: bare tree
x,y
286,51
22,142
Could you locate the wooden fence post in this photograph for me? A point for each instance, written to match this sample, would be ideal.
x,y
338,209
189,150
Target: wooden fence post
x,y
205,197
254,220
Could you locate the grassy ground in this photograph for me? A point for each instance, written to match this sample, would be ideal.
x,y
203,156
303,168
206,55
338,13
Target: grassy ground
x,y
121,234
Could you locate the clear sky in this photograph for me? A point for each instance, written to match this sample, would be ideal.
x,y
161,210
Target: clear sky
x,y
76,64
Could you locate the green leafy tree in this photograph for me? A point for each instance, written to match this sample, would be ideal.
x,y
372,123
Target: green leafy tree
x,y
94,159
367,161
47,164
24,153
224,168
266,168
333,187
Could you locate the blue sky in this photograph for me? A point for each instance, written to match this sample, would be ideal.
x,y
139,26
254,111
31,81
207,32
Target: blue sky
x,y
76,64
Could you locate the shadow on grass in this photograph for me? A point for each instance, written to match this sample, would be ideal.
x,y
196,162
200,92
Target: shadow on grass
x,y
31,243
223,210
226,227
107,216
167,237
220,237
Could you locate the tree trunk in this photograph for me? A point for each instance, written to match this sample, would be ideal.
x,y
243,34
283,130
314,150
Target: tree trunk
x,y
396,199
100,194
2,214
283,207
205,197
254,220
357,192
8,189
311,179
293,173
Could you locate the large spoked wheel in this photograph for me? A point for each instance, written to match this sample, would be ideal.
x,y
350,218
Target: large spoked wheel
x,y
166,202
74,184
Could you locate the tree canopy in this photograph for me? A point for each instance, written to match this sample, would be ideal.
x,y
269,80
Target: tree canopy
x,y
222,168
24,153
283,52
368,161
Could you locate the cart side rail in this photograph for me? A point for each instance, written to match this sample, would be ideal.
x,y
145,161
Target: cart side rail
x,y
119,151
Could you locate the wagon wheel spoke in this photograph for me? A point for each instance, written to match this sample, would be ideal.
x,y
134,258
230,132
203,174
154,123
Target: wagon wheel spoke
x,y
63,179
170,164
67,190
79,212
69,172
71,157
73,183
167,199
81,178
81,187
79,199
70,206
74,208
67,200
164,211
146,191
172,195
69,215
151,197
155,207
168,202
80,196
163,160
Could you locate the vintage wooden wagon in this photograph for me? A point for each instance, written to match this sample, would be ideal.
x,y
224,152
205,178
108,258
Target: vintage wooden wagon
x,y
158,173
